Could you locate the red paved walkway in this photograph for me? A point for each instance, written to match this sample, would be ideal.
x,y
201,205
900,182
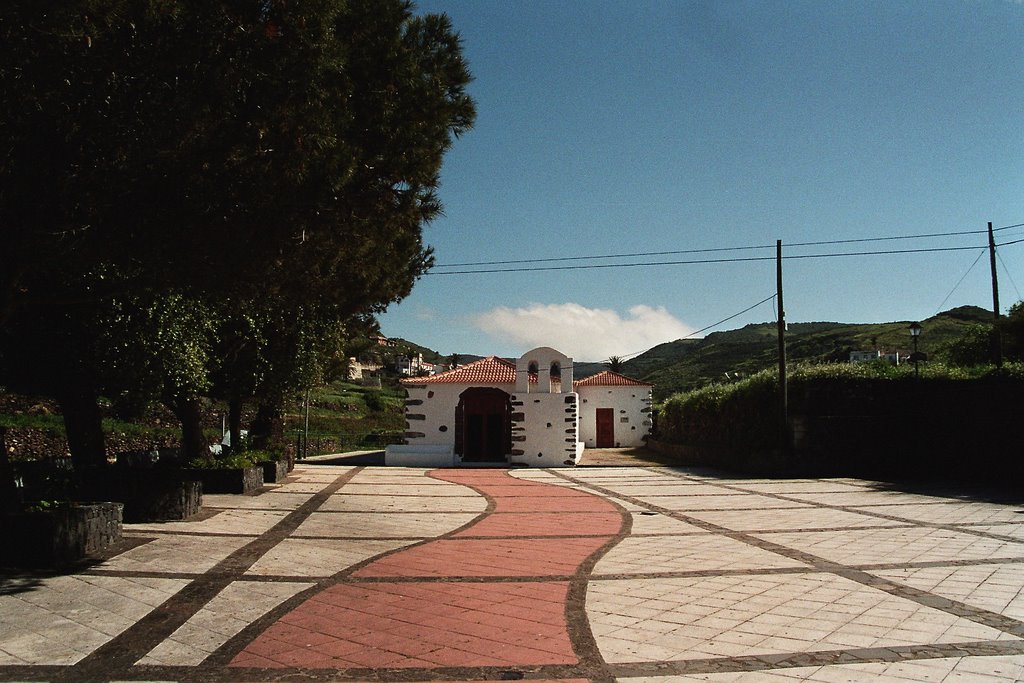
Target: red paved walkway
x,y
426,606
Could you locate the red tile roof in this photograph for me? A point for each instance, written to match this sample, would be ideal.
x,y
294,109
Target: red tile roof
x,y
607,378
490,370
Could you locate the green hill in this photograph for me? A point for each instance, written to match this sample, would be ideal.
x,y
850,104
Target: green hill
x,y
686,364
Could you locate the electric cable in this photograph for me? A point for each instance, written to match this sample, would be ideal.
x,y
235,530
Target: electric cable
x,y
744,259
958,282
722,249
1010,277
705,329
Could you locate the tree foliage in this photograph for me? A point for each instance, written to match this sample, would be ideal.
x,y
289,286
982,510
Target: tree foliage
x,y
267,165
1012,327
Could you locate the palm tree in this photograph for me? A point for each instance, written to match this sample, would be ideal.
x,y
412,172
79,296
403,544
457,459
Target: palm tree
x,y
614,364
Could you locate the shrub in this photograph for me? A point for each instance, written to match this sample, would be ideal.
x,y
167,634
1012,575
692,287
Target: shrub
x,y
226,462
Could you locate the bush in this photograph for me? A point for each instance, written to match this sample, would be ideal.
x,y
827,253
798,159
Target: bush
x,y
265,456
374,401
741,415
227,462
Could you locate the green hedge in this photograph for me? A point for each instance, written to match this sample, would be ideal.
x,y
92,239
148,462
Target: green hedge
x,y
946,417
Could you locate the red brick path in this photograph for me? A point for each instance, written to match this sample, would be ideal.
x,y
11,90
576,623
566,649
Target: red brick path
x,y
426,606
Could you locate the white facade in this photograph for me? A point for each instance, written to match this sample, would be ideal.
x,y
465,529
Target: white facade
x,y
545,422
625,401
494,411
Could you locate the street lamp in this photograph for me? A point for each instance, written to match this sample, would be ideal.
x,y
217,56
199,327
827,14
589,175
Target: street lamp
x,y
915,332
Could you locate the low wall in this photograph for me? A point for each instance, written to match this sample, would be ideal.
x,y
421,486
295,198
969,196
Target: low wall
x,y
59,536
239,480
148,494
274,470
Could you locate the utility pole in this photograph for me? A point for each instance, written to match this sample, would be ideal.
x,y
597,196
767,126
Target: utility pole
x,y
305,428
784,439
997,342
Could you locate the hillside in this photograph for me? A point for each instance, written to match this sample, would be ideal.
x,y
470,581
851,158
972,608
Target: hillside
x,y
689,363
686,364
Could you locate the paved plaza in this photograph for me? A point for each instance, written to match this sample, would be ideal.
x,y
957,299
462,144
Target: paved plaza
x,y
632,574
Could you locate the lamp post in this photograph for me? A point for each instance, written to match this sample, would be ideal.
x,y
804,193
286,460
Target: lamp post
x,y
915,332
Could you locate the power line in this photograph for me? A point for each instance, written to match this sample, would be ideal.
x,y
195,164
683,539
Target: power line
x,y
720,249
962,277
603,256
735,315
745,259
705,329
1007,271
1007,227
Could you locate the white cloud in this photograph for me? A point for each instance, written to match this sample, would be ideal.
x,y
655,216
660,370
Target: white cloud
x,y
586,334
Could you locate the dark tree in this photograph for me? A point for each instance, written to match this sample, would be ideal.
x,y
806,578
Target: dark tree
x,y
244,153
1012,329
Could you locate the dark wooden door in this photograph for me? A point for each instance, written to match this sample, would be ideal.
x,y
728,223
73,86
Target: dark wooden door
x,y
486,425
605,428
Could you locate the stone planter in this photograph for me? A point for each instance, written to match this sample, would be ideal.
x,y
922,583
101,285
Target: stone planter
x,y
236,480
149,494
59,536
274,470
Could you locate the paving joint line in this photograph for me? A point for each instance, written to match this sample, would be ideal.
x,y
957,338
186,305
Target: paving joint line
x,y
880,515
787,660
119,654
589,663
234,645
956,608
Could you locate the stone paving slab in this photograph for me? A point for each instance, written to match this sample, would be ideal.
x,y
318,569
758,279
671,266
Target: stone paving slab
x,y
635,574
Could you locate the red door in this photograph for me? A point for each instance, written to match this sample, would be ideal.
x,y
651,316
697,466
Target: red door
x,y
605,428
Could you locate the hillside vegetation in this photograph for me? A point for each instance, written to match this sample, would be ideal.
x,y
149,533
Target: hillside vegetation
x,y
687,364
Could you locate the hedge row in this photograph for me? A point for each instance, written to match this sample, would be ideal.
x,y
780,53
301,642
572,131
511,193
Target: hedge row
x,y
858,419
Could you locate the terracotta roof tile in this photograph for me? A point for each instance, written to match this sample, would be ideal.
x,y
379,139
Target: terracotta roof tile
x,y
607,378
490,370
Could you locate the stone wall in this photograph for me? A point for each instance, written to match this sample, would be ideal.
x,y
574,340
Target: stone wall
x,y
241,480
274,470
148,494
59,536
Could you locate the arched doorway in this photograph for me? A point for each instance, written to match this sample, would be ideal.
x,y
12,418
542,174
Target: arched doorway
x,y
483,425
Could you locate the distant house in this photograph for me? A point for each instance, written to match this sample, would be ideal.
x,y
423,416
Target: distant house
x,y
414,366
358,369
497,411
893,357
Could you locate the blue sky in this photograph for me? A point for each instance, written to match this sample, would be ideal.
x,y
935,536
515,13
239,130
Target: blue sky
x,y
649,126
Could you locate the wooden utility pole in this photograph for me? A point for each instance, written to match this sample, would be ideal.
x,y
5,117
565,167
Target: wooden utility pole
x,y
305,429
997,342
784,440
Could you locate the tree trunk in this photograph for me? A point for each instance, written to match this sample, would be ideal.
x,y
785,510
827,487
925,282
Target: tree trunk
x,y
267,430
7,487
235,423
83,425
193,443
